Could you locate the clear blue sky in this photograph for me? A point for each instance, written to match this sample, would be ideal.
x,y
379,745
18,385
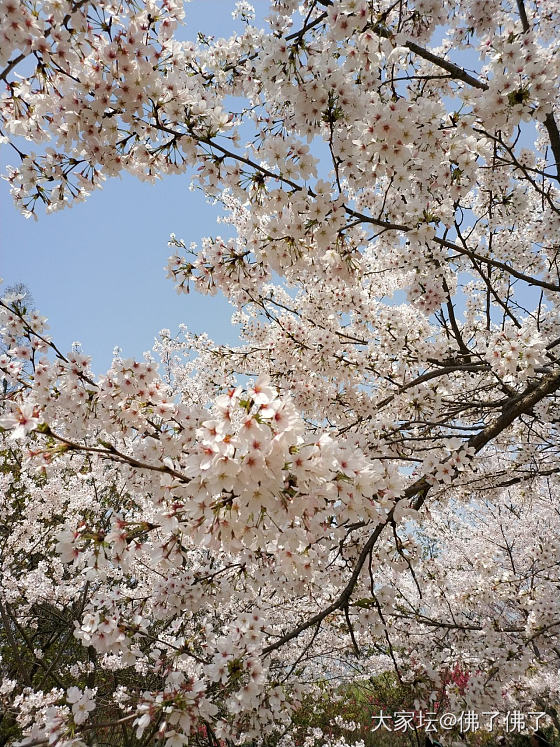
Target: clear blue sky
x,y
96,270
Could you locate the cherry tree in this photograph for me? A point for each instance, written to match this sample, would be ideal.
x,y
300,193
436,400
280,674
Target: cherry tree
x,y
192,542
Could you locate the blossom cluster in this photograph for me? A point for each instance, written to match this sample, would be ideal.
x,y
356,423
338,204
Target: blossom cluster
x,y
368,481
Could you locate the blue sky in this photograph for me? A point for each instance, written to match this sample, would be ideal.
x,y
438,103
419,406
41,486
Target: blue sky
x,y
96,270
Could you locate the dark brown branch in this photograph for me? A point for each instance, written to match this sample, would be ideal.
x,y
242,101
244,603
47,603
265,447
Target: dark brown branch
x,y
549,122
520,405
455,71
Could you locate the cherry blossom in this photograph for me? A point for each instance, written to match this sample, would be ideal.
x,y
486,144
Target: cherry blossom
x,y
195,541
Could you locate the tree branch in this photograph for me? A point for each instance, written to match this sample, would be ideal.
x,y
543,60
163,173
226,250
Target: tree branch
x,y
420,488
